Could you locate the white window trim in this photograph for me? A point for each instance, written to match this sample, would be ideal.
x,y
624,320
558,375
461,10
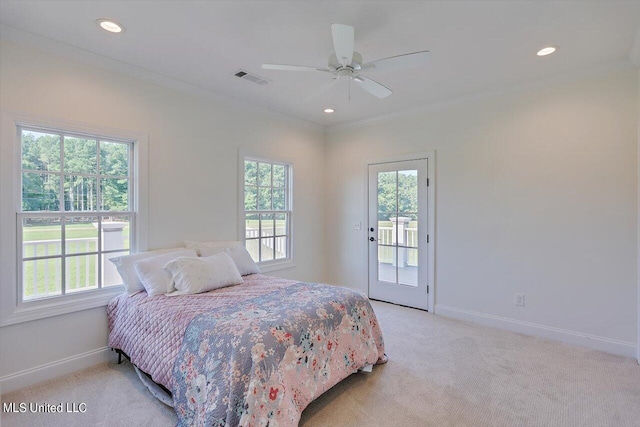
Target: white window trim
x,y
11,312
275,265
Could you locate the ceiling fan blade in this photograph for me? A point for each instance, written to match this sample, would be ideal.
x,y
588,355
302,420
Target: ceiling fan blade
x,y
343,36
373,87
283,67
400,61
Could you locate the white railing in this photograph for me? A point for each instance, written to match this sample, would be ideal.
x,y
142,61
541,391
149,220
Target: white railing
x,y
79,268
387,236
280,244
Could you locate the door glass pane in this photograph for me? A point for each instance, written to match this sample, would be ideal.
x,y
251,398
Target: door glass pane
x,y
407,229
408,191
410,229
386,249
387,194
386,273
408,266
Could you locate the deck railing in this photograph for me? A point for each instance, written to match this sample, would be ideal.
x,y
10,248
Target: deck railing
x,y
268,243
82,271
387,254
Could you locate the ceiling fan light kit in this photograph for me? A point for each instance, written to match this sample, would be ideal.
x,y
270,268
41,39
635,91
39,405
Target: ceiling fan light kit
x,y
345,62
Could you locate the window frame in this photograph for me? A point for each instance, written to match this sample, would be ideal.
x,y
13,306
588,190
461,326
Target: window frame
x,y
63,214
275,264
13,309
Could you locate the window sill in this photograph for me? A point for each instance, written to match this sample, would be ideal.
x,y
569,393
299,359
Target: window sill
x,y
268,267
42,309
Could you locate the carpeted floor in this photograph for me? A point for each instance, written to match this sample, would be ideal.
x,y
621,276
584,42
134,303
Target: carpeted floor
x,y
441,372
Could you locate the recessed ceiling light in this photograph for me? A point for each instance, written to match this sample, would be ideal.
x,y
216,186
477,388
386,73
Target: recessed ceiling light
x,y
109,25
329,110
546,51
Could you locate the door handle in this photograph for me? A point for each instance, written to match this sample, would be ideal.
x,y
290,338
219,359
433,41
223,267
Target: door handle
x,y
371,229
371,239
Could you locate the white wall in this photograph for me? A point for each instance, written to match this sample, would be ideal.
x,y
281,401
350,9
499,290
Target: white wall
x,y
193,160
536,194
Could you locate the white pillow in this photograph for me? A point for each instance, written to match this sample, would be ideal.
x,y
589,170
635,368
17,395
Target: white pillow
x,y
155,279
196,275
213,245
239,255
127,271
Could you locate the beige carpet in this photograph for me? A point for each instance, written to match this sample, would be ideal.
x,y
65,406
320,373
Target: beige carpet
x,y
441,372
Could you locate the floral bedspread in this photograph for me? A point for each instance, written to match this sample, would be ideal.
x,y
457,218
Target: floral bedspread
x,y
262,364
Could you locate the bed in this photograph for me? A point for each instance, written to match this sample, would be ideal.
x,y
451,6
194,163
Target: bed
x,y
253,354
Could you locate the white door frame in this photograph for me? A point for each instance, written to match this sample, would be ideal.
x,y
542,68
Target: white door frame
x,y
430,156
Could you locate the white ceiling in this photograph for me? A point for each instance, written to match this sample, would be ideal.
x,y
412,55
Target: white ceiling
x,y
477,46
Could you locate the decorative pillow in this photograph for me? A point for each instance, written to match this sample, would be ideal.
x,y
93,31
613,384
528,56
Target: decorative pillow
x,y
196,275
127,271
239,255
213,245
155,279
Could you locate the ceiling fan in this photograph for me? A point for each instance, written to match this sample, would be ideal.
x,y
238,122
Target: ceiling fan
x,y
346,62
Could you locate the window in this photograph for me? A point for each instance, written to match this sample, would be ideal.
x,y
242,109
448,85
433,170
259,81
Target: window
x,y
75,213
267,210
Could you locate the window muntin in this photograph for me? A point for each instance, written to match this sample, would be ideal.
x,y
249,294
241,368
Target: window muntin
x,y
267,209
75,212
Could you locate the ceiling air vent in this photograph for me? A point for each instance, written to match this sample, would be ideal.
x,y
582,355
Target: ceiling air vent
x,y
251,77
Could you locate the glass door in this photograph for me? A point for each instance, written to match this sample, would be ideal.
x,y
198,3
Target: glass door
x,y
398,232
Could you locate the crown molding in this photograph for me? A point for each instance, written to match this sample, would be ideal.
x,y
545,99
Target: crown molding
x,y
18,36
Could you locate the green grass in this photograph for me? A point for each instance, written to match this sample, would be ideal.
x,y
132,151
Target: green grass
x,y
46,274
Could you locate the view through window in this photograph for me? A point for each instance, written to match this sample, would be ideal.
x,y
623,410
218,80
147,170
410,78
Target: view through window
x,y
267,209
76,212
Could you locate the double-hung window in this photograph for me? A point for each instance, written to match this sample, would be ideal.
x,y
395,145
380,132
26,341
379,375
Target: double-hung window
x,y
76,212
267,210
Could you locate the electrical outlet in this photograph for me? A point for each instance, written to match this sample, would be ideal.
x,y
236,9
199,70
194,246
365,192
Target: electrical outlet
x,y
357,226
519,300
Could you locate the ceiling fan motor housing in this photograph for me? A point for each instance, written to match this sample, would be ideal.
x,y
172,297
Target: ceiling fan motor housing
x,y
335,65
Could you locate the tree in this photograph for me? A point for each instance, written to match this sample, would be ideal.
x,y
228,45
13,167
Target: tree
x,y
41,190
397,194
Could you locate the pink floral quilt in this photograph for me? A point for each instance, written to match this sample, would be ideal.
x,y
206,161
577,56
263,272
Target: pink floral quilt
x,y
255,354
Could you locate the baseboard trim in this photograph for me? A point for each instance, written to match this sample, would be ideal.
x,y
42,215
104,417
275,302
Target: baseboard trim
x,y
622,348
51,370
